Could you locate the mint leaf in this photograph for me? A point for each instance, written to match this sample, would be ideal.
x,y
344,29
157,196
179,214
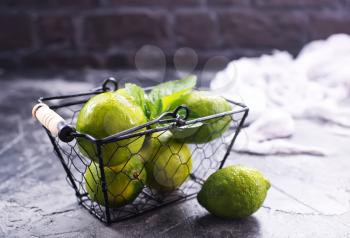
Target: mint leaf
x,y
163,95
155,107
139,96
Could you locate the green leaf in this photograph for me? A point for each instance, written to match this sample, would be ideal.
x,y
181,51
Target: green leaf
x,y
186,131
139,96
163,95
155,107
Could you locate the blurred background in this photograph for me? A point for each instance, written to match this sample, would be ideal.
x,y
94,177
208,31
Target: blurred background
x,y
108,33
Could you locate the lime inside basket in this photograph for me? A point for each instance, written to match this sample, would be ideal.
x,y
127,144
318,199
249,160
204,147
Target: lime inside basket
x,y
207,158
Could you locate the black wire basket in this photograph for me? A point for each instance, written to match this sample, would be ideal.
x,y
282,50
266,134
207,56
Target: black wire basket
x,y
206,158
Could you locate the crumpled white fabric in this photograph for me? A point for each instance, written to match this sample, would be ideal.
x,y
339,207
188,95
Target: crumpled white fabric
x,y
279,89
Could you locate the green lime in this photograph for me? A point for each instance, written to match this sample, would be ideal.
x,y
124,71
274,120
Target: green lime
x,y
168,163
202,104
104,115
234,192
124,182
152,143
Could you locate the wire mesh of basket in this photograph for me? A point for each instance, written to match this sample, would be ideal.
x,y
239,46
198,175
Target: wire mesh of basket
x,y
116,192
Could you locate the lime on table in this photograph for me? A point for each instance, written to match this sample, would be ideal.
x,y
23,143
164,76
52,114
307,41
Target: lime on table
x,y
234,192
104,115
168,163
202,104
124,182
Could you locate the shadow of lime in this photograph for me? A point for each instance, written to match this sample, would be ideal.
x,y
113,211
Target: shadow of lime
x,y
212,226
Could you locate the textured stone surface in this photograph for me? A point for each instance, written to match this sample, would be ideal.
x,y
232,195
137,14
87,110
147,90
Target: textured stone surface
x,y
163,3
112,30
59,59
15,32
253,29
196,29
49,3
225,3
328,23
298,3
127,29
56,31
309,196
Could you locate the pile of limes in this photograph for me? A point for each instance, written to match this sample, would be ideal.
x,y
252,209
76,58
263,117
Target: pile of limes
x,y
161,160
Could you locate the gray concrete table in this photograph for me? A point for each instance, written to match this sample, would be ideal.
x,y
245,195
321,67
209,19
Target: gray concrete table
x,y
309,195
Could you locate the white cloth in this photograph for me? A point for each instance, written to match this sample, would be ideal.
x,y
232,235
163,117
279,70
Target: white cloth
x,y
279,89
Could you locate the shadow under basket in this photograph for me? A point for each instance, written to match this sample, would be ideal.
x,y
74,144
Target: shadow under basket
x,y
59,115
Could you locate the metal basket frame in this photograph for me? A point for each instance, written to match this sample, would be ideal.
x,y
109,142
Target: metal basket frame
x,y
170,120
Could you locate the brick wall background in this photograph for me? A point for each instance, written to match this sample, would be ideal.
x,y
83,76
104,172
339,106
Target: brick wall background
x,y
107,33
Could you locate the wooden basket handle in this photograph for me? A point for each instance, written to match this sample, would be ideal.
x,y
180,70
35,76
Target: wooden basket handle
x,y
52,121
